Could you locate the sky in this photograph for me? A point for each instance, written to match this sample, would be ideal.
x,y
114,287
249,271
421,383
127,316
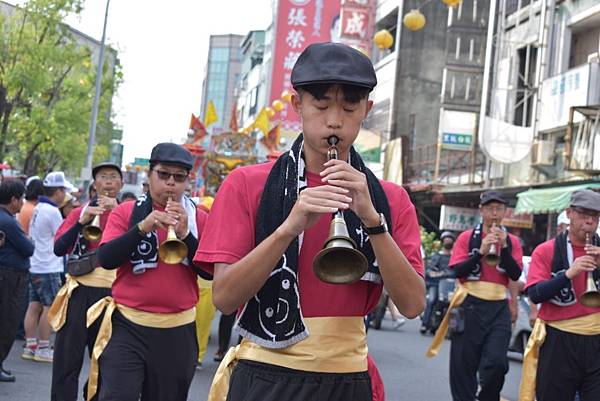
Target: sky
x,y
163,49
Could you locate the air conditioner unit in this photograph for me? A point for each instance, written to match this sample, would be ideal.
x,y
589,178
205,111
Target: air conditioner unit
x,y
542,153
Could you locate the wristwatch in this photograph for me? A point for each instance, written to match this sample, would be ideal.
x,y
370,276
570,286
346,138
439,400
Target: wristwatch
x,y
380,229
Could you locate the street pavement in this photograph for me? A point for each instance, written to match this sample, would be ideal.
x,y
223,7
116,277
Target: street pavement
x,y
399,354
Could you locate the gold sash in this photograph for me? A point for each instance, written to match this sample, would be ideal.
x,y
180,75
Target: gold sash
x,y
99,277
57,314
480,289
588,325
142,318
335,345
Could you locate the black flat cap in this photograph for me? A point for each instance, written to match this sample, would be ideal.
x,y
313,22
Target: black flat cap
x,y
333,63
492,196
171,153
586,199
99,166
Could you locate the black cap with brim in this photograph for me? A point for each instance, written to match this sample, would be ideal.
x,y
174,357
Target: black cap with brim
x,y
492,196
333,63
171,153
102,165
586,199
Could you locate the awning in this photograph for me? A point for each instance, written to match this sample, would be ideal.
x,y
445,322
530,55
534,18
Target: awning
x,y
548,200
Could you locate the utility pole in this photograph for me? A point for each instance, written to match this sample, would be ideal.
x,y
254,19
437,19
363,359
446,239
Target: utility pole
x,y
87,170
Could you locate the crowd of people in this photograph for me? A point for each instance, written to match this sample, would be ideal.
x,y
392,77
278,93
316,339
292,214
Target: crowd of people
x,y
136,281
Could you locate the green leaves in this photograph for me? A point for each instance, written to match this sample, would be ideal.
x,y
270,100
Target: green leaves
x,y
46,90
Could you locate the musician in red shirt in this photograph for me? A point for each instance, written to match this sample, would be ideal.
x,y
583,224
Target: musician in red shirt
x,y
305,337
146,346
86,283
566,333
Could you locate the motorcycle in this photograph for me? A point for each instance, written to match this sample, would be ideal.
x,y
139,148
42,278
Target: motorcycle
x,y
445,290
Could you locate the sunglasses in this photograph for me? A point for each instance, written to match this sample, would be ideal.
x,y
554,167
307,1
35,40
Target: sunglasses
x,y
165,175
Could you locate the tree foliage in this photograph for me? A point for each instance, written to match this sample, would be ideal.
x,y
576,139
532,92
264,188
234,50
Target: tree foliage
x,y
47,89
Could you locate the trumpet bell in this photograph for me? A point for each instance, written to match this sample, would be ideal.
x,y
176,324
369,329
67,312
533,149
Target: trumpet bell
x,y
172,251
591,296
339,262
92,232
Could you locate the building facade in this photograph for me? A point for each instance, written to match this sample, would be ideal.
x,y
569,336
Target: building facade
x,y
221,77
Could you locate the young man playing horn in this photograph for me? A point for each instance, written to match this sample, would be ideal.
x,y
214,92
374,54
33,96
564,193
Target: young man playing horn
x,y
87,283
146,347
479,349
305,339
566,334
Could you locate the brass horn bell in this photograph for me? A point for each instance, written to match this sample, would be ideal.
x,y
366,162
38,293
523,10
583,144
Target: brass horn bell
x,y
591,296
93,232
339,262
172,251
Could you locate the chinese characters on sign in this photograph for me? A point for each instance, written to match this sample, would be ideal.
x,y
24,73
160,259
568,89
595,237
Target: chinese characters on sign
x,y
457,129
356,27
462,218
458,218
298,24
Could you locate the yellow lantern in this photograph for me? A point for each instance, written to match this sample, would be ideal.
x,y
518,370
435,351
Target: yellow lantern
x,y
270,111
277,105
451,3
286,95
383,39
414,20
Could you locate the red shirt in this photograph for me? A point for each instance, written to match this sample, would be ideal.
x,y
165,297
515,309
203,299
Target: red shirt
x,y
229,236
73,218
540,269
460,253
164,289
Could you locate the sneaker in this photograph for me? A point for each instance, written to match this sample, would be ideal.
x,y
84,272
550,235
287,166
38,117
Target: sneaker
x,y
399,323
44,355
199,366
28,353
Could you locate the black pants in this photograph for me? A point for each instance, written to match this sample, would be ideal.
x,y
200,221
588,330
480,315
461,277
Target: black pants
x,y
482,349
13,290
70,343
254,381
568,363
156,364
225,326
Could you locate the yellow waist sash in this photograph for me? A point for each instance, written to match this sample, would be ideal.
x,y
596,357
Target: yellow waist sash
x,y
588,325
99,277
142,318
335,345
480,289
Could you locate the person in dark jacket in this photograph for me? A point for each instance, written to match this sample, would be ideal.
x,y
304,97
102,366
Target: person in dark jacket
x,y
436,269
15,250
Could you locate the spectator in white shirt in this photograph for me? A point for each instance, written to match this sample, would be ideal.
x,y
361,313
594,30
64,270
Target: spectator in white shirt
x,y
46,267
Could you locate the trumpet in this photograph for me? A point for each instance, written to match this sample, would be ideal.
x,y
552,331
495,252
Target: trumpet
x,y
591,296
339,262
172,250
492,258
93,231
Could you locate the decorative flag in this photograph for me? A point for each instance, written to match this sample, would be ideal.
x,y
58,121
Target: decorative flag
x,y
197,129
233,122
271,140
262,121
211,114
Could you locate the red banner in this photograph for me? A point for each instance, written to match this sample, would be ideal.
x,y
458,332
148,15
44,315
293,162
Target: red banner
x,y
358,24
298,24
